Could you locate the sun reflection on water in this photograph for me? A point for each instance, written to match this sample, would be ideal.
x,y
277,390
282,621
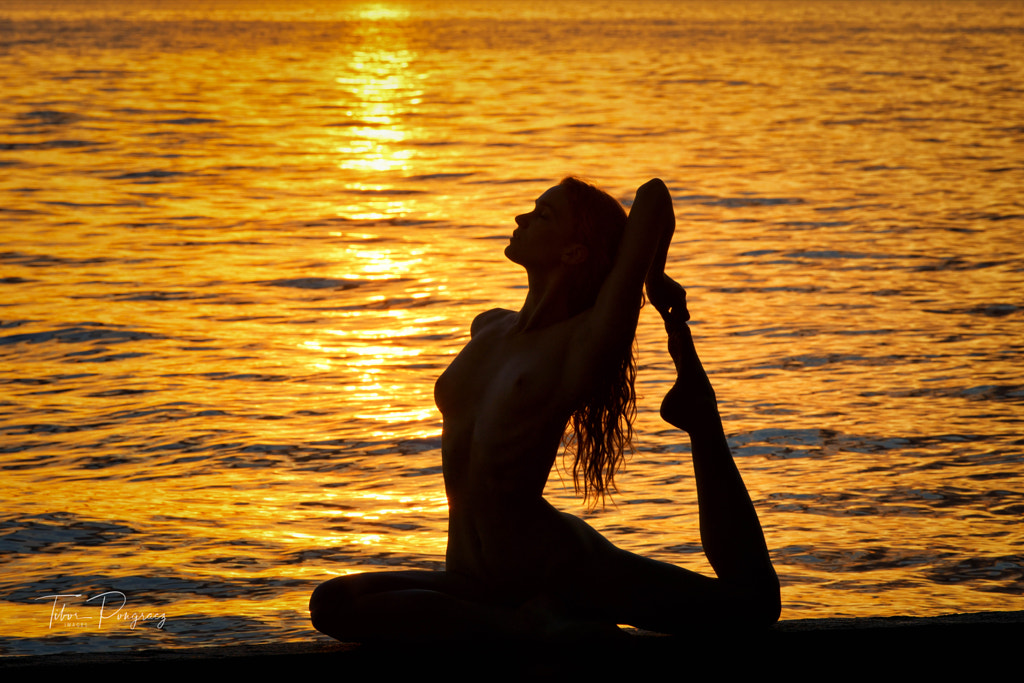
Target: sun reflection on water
x,y
380,89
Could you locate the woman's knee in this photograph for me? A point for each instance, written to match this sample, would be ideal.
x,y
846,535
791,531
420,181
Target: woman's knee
x,y
342,607
763,604
338,606
771,603
329,604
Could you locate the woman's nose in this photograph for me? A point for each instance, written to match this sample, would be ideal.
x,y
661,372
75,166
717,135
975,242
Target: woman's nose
x,y
521,219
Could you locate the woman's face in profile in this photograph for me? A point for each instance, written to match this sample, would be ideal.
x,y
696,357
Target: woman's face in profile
x,y
545,234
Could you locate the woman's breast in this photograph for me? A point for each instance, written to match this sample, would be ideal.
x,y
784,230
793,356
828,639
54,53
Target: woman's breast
x,y
460,386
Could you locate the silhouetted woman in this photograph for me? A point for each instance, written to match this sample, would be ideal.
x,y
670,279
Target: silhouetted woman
x,y
563,364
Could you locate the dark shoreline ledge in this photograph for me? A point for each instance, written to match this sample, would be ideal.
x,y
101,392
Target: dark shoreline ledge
x,y
947,644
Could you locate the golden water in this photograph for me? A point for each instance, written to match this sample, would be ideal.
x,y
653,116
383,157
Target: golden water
x,y
241,240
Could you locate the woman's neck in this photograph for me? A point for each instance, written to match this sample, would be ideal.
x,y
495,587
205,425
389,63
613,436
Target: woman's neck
x,y
548,302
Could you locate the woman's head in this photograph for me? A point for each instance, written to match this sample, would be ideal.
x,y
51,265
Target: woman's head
x,y
576,227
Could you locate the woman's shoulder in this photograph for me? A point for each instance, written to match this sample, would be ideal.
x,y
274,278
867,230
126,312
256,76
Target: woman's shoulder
x,y
487,319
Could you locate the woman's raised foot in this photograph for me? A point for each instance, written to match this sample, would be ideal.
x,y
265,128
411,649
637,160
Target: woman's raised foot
x,y
691,401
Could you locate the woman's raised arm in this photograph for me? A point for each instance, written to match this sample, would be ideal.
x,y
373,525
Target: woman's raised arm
x,y
612,321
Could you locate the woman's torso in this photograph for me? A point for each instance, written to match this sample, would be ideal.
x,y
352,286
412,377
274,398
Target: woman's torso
x,y
505,409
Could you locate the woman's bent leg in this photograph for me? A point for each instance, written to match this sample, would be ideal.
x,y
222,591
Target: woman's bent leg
x,y
420,606
730,531
658,596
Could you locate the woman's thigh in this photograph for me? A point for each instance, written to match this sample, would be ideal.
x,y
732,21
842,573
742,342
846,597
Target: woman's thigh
x,y
343,590
630,589
390,605
611,584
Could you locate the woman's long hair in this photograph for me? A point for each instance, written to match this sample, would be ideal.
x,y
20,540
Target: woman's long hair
x,y
600,431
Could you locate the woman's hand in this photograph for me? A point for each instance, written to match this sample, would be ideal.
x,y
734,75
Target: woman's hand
x,y
668,297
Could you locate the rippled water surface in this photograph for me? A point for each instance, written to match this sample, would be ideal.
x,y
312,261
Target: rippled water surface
x,y
241,240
